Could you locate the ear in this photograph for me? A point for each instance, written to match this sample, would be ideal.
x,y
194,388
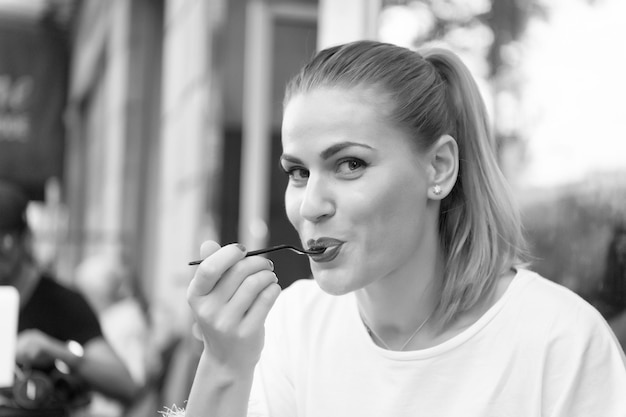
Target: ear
x,y
443,167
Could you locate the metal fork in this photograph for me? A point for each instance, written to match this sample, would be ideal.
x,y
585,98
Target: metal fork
x,y
300,251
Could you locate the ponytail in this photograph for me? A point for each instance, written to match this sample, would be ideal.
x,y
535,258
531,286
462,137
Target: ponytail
x,y
480,227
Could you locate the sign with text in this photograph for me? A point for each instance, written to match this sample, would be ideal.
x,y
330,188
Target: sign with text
x,y
33,83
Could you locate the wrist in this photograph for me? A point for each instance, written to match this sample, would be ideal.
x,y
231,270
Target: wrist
x,y
223,373
220,388
72,357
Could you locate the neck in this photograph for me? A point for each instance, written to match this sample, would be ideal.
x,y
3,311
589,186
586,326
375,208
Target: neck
x,y
397,304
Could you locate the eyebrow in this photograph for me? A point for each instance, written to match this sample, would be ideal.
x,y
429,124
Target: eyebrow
x,y
329,152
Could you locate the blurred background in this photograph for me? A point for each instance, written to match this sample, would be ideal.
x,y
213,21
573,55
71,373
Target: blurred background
x,y
144,127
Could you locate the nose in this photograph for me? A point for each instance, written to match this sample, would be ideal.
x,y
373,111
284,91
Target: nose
x,y
317,201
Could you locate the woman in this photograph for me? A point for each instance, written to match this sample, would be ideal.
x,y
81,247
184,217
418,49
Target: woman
x,y
419,305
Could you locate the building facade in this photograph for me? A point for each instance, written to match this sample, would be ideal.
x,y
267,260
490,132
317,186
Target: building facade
x,y
173,122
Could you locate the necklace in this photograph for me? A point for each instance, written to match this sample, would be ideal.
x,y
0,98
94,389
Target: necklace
x,y
372,333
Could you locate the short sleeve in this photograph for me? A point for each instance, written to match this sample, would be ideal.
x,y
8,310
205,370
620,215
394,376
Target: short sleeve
x,y
60,312
87,325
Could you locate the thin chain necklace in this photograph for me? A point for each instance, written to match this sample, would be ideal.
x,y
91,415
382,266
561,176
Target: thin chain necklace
x,y
380,339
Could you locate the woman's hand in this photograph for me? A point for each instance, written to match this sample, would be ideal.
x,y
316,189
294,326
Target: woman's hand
x,y
230,296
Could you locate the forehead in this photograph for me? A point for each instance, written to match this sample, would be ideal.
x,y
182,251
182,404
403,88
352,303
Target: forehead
x,y
321,122
340,111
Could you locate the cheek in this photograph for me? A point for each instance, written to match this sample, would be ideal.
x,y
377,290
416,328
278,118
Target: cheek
x,y
394,217
292,207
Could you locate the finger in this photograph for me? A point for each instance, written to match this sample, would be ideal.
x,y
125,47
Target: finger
x,y
260,308
201,283
239,273
247,293
208,248
213,267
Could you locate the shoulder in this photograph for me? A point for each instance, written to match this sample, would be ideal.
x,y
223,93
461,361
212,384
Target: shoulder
x,y
72,299
53,288
60,312
50,294
558,315
550,299
577,352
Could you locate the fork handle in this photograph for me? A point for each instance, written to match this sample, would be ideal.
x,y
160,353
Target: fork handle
x,y
266,250
253,252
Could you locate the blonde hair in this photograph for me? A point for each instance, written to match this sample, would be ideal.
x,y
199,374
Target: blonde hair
x,y
432,94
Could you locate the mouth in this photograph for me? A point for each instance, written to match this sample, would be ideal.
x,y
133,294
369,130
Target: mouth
x,y
329,248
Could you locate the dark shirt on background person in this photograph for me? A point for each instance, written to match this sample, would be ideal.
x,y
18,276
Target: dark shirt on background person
x,y
59,336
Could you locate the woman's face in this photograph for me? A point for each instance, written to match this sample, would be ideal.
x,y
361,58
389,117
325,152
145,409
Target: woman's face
x,y
357,186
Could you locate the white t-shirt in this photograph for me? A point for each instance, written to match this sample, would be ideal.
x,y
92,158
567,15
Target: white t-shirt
x,y
541,350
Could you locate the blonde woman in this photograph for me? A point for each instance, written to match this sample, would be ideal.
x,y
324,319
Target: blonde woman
x,y
419,304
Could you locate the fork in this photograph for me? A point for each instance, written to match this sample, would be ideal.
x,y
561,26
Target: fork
x,y
300,251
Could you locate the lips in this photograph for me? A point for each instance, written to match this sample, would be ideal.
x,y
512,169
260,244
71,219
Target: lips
x,y
332,248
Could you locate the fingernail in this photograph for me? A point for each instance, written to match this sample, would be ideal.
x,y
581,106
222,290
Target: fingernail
x,y
241,247
271,264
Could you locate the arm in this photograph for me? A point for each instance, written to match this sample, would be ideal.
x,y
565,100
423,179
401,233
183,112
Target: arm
x,y
105,371
230,297
100,367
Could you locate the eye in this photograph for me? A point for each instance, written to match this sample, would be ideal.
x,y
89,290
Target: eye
x,y
296,173
299,173
350,166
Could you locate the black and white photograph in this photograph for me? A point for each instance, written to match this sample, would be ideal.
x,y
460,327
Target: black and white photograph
x,y
312,208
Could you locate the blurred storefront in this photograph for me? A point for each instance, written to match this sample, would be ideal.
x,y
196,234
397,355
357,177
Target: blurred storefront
x,y
33,78
172,125
173,122
147,126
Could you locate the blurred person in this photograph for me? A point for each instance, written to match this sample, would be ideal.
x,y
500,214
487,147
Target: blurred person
x,y
106,282
59,336
420,302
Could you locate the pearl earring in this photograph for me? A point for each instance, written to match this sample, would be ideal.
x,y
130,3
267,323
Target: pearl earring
x,y
437,189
